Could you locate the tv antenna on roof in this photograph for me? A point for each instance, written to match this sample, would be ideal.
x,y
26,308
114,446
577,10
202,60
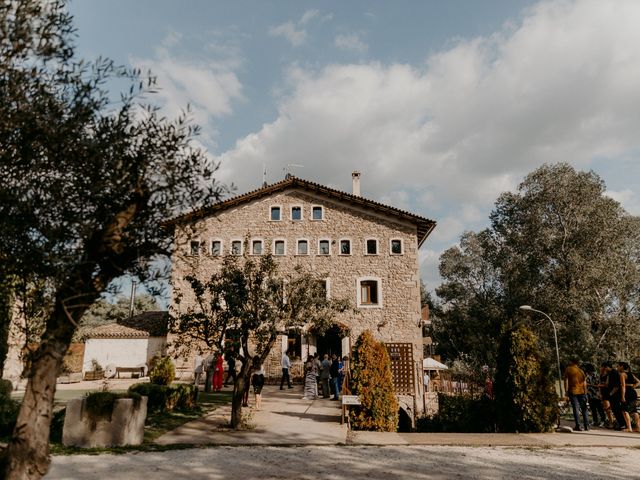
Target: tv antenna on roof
x,y
287,169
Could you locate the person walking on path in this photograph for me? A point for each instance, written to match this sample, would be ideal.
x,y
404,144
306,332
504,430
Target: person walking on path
x,y
257,381
614,384
629,398
310,380
593,395
605,370
325,375
335,376
208,369
218,373
575,384
231,367
286,365
198,369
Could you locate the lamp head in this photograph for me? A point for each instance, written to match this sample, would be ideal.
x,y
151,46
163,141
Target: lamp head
x,y
526,307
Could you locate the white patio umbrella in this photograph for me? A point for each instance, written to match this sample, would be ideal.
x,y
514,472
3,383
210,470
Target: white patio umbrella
x,y
431,364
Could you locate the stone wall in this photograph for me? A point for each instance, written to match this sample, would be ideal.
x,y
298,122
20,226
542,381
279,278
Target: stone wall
x,y
126,426
395,319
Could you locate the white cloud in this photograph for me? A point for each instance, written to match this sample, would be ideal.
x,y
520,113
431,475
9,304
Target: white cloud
x,y
294,32
209,86
560,85
288,31
629,199
308,15
351,42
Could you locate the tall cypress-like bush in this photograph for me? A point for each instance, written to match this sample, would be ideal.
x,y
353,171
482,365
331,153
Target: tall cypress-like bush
x,y
525,393
372,381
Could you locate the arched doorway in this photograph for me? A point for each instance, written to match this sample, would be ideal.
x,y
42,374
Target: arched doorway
x,y
330,342
404,421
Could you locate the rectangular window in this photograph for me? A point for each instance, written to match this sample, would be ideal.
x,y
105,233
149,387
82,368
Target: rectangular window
x,y
278,247
345,247
275,214
317,213
216,247
323,247
236,247
296,213
194,247
369,292
256,247
372,246
396,247
303,247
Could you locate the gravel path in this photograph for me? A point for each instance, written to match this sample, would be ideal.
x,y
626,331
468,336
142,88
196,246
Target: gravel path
x,y
355,463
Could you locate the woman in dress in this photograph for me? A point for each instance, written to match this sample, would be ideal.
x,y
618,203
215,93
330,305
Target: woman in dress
x,y
310,379
257,381
218,373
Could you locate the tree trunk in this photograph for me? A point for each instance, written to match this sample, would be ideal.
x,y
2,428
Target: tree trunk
x,y
27,454
241,382
236,403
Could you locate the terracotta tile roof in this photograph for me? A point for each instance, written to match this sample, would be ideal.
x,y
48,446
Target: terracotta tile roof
x,y
424,225
143,325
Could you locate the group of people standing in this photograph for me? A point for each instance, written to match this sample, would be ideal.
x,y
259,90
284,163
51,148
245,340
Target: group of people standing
x,y
610,394
213,369
326,375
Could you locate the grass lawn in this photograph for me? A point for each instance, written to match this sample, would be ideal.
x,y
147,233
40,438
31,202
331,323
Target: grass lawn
x,y
160,423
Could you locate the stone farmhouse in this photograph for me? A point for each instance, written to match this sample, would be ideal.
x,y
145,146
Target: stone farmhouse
x,y
368,251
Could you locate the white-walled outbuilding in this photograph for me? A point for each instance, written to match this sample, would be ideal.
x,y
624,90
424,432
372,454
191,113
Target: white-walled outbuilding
x,y
128,343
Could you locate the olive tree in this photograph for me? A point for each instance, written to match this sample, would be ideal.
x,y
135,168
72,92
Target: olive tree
x,y
87,180
253,300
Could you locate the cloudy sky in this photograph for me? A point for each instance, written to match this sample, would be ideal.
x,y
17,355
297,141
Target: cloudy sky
x,y
440,105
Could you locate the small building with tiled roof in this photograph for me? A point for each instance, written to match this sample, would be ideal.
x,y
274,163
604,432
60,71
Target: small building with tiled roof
x,y
127,343
367,251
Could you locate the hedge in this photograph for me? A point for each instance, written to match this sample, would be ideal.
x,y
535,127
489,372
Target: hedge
x,y
372,381
166,398
460,413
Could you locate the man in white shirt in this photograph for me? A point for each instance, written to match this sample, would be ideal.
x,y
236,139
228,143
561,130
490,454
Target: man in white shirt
x,y
427,380
286,365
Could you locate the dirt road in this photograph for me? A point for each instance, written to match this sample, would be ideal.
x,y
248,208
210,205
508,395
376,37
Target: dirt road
x,y
356,462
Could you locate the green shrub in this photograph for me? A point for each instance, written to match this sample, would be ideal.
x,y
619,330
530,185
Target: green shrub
x,y
460,413
162,371
526,399
166,398
372,381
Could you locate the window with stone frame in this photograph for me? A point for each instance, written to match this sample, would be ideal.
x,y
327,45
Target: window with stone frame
x,y
296,213
324,247
369,294
236,247
371,246
345,246
216,247
279,247
396,246
194,247
317,212
256,247
276,214
303,247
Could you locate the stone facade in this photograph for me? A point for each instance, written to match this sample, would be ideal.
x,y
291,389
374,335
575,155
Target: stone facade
x,y
392,314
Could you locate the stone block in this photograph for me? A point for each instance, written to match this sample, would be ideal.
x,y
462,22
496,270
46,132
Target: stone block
x,y
126,426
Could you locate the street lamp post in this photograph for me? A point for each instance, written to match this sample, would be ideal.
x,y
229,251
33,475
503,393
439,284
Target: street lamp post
x,y
528,308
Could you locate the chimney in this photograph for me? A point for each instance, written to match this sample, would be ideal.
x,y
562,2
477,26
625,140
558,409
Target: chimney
x,y
355,176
